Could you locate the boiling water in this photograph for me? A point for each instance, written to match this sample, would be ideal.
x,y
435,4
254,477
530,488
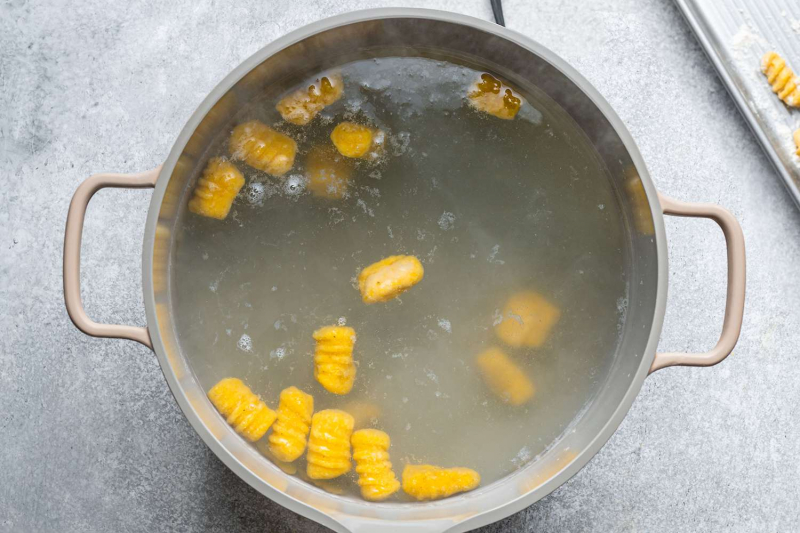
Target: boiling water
x,y
489,206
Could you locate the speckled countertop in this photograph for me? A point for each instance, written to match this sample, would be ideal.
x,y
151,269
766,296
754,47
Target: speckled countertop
x,y
91,437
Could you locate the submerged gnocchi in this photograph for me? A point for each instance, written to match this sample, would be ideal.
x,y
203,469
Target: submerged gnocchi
x,y
249,416
329,444
504,377
334,368
428,482
528,318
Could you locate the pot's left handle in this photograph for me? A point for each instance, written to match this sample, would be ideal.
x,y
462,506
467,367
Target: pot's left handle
x,y
72,254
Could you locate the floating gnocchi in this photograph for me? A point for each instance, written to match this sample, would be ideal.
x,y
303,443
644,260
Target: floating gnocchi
x,y
329,444
504,377
784,83
358,141
287,441
427,482
249,416
528,319
301,106
334,368
490,95
328,172
389,277
263,148
216,189
371,454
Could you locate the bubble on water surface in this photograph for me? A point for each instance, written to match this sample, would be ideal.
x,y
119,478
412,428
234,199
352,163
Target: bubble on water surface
x,y
245,343
447,221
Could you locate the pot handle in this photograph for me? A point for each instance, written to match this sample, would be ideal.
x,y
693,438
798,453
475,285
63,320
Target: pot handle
x,y
72,254
734,305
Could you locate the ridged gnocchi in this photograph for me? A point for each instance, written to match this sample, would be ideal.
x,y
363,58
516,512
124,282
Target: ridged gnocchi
x,y
358,141
389,277
216,189
301,106
427,482
371,454
263,148
490,95
781,77
334,368
328,172
329,444
287,441
528,318
249,416
504,377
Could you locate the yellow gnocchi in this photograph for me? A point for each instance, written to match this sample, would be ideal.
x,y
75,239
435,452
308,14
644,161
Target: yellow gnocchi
x,y
287,441
797,141
357,141
263,148
490,95
328,172
375,475
329,444
784,83
640,207
389,277
504,377
528,319
245,411
216,189
301,106
334,368
427,482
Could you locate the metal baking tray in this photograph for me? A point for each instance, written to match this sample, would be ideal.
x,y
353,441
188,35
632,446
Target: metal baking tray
x,y
735,35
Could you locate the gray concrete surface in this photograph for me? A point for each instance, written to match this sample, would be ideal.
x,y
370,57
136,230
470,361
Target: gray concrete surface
x,y
92,440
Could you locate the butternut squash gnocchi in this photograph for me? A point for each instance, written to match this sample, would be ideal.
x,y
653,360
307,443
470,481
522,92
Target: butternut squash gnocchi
x,y
301,106
490,95
781,77
329,444
249,416
504,377
334,368
390,277
375,475
528,319
287,441
358,141
328,172
427,482
216,189
263,148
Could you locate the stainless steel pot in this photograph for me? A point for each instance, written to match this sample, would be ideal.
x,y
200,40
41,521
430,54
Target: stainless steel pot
x,y
365,34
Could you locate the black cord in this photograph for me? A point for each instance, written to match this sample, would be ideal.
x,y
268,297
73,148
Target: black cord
x,y
497,9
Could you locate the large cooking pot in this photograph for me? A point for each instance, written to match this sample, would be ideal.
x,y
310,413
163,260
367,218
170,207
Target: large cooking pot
x,y
365,34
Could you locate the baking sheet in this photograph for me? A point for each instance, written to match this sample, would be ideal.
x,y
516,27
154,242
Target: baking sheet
x,y
735,35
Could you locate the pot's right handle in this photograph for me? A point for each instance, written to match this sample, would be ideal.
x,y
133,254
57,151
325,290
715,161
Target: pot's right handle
x,y
72,254
734,305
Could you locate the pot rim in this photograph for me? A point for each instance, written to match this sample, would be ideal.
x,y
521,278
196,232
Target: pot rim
x,y
344,522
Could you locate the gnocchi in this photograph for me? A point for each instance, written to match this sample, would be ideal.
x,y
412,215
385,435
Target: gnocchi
x,y
358,141
528,318
263,148
287,441
301,106
375,475
245,411
216,189
389,277
329,444
427,482
328,172
784,83
490,95
504,377
334,368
